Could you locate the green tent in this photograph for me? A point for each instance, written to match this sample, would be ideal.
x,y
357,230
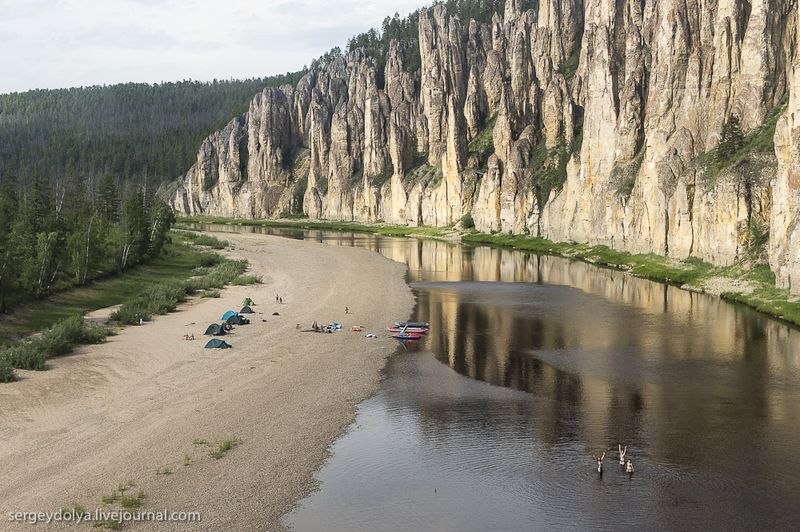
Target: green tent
x,y
216,343
215,329
248,302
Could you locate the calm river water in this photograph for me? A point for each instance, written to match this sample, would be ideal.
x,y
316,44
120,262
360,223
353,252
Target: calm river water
x,y
533,365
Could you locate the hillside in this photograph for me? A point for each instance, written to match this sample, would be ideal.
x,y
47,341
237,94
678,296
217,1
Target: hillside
x,y
590,121
130,131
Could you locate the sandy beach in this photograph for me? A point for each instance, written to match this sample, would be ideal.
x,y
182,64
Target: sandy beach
x,y
135,408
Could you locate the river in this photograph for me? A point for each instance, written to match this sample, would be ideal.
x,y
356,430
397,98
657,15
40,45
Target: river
x,y
535,364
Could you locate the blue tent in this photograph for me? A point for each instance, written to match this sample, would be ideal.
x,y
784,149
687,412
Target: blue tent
x,y
216,343
228,315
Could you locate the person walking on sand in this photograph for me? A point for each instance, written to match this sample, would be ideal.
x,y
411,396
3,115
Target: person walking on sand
x,y
347,310
622,453
276,298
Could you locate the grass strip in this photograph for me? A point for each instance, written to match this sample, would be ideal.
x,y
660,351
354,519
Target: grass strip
x,y
157,298
692,272
305,223
58,340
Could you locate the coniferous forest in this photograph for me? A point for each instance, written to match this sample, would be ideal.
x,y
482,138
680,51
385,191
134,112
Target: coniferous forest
x,y
79,171
68,232
134,131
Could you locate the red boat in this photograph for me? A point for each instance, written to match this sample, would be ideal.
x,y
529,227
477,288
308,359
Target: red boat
x,y
407,336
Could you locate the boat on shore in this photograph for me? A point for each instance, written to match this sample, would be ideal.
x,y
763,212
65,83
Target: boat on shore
x,y
422,324
407,336
420,330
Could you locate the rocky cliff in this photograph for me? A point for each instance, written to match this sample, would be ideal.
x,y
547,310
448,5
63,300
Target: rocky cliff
x,y
580,120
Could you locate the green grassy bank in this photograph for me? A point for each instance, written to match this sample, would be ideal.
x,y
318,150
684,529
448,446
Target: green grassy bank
x,y
748,284
152,289
178,262
305,223
751,285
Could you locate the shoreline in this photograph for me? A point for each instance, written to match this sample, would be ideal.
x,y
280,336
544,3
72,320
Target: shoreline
x,y
750,285
139,406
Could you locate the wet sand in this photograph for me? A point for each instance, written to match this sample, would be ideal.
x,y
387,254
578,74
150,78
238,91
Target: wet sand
x,y
133,408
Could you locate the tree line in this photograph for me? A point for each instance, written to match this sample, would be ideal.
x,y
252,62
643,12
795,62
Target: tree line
x,y
406,30
65,233
140,131
133,131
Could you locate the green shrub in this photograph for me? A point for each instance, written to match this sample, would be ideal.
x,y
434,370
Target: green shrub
x,y
243,280
58,340
158,299
211,241
210,259
165,297
129,315
211,294
6,370
467,222
26,355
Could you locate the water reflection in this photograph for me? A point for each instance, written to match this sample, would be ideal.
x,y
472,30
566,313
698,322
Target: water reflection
x,y
704,392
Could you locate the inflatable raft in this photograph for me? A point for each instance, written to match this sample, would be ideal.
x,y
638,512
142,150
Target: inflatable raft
x,y
407,336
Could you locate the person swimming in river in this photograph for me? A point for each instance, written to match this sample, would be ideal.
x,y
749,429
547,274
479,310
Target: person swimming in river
x,y
622,452
629,468
600,462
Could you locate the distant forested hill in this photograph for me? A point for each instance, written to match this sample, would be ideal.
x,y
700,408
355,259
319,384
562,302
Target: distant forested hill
x,y
130,131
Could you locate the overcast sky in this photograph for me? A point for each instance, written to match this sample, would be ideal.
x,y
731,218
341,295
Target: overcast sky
x,y
69,43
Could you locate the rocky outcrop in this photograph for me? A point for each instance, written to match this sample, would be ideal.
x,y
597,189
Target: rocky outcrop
x,y
581,120
784,247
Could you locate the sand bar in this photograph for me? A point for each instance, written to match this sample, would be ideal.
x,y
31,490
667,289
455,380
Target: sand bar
x,y
131,409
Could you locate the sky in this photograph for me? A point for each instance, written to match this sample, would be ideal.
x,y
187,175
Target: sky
x,y
72,43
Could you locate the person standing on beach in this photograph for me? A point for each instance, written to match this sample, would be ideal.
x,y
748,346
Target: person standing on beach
x,y
347,310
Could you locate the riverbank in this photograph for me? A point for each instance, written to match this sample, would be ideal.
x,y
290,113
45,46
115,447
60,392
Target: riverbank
x,y
441,233
749,284
177,263
234,434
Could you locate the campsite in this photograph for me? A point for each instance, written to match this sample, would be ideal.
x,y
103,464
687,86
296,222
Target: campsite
x,y
264,391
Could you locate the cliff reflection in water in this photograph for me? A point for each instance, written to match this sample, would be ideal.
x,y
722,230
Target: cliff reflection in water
x,y
706,392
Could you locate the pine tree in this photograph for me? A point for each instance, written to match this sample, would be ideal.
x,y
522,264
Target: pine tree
x,y
108,198
8,248
731,141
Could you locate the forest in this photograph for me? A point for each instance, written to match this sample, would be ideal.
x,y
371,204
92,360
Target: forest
x,y
406,30
135,131
64,233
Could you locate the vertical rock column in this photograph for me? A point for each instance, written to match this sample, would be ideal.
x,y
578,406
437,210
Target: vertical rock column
x,y
442,42
784,248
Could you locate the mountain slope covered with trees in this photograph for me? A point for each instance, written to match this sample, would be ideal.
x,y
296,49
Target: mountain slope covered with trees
x,y
132,131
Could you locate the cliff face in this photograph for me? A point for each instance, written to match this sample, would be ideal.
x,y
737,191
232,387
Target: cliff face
x,y
584,120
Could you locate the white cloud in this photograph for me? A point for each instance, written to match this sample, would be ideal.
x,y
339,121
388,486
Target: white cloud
x,y
67,43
